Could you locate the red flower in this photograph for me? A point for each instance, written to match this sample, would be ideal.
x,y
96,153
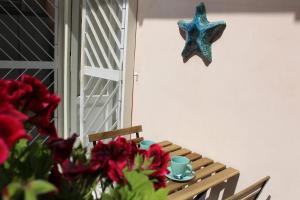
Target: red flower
x,y
118,150
111,158
55,176
11,130
47,129
160,158
34,99
13,91
8,110
159,165
100,155
39,95
4,152
115,172
73,170
159,181
61,149
40,104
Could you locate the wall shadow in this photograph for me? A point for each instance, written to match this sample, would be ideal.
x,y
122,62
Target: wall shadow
x,y
185,8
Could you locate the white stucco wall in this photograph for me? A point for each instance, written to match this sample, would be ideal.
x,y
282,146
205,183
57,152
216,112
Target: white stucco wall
x,y
244,109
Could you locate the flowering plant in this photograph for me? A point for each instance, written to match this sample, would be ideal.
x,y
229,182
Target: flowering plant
x,y
46,166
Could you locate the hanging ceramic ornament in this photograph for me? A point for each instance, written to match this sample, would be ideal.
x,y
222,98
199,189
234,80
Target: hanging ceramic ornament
x,y
199,35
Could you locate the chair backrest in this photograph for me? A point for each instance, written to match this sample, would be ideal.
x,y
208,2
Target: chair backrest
x,y
252,192
119,132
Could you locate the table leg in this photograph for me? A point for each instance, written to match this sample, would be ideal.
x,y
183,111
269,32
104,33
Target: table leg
x,y
216,191
230,186
200,196
227,187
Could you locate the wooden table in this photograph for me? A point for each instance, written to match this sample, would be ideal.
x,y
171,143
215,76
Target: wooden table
x,y
208,174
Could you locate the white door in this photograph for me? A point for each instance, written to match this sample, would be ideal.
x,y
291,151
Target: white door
x,y
103,50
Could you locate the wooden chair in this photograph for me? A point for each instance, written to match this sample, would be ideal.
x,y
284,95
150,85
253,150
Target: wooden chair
x,y
119,132
252,192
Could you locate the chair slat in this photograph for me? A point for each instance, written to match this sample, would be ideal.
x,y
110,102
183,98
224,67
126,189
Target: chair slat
x,y
253,196
200,174
204,185
112,134
137,140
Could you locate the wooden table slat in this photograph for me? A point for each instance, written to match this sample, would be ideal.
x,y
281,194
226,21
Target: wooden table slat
x,y
203,185
197,164
171,148
193,156
200,174
165,143
181,152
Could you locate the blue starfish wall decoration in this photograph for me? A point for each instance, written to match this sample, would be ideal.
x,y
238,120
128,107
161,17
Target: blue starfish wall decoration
x,y
199,35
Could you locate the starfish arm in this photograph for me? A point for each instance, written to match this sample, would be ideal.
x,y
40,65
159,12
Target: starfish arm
x,y
201,13
183,25
189,50
214,31
205,49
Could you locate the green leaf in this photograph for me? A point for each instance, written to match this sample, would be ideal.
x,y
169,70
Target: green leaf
x,y
40,187
161,194
107,196
13,188
30,195
138,161
147,163
147,172
21,145
139,187
137,180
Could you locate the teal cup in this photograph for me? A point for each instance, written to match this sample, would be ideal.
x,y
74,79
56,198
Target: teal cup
x,y
181,167
145,144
